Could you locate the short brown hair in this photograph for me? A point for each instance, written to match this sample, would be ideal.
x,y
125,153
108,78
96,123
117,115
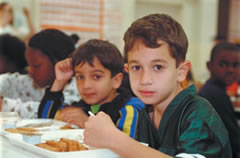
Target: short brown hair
x,y
106,52
154,27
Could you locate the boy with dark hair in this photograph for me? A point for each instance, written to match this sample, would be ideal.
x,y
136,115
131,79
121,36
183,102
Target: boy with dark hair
x,y
98,68
176,122
224,66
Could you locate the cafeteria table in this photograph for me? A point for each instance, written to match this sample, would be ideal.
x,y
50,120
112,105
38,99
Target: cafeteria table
x,y
7,150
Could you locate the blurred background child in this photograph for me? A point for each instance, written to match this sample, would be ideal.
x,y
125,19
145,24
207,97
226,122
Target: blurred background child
x,y
22,93
7,22
224,66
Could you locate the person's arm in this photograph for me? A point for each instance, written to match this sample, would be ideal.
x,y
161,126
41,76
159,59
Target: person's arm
x,y
50,104
112,138
128,120
129,116
29,23
53,98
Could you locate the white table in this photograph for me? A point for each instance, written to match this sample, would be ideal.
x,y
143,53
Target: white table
x,y
8,150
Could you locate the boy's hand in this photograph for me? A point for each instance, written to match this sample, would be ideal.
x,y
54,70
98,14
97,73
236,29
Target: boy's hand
x,y
63,72
99,131
73,115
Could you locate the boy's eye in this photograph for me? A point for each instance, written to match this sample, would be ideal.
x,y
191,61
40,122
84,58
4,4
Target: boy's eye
x,y
36,66
135,68
157,67
96,77
236,65
79,77
223,64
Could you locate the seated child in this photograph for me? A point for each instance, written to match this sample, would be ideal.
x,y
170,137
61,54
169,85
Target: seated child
x,y
98,68
22,93
224,67
176,122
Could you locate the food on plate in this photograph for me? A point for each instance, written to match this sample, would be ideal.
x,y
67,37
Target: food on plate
x,y
27,129
63,145
48,147
66,127
20,130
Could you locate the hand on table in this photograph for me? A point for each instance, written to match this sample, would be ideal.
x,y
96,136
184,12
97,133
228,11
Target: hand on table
x,y
73,115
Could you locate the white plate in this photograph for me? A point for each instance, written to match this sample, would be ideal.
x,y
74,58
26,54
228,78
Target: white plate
x,y
41,124
76,134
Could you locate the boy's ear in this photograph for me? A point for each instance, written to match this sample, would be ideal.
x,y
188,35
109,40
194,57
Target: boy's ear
x,y
126,67
117,80
183,69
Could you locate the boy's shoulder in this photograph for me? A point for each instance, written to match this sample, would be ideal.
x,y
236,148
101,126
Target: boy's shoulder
x,y
212,88
136,103
188,100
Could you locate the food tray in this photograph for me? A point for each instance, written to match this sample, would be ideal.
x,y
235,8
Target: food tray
x,y
75,134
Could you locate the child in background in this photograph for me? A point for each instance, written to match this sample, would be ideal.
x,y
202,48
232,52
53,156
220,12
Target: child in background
x,y
12,51
224,66
176,122
98,68
7,22
23,93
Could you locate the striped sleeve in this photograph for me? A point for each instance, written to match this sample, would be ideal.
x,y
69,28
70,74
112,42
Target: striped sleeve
x,y
50,103
128,120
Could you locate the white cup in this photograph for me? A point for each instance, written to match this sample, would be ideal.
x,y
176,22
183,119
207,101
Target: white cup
x,y
8,120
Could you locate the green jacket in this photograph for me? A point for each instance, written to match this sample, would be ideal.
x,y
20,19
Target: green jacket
x,y
189,125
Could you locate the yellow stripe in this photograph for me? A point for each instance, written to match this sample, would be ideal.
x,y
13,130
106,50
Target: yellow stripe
x,y
50,110
129,118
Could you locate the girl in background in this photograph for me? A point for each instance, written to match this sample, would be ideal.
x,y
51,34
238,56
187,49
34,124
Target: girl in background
x,y
23,93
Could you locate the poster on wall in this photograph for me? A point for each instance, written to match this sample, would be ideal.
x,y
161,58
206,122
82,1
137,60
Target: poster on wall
x,y
101,19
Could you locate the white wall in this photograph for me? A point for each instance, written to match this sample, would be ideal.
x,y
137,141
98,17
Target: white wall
x,y
198,18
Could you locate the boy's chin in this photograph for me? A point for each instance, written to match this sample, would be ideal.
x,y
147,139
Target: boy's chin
x,y
228,82
91,102
147,101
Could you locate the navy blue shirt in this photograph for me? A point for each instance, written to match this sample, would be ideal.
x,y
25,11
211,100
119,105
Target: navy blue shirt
x,y
216,94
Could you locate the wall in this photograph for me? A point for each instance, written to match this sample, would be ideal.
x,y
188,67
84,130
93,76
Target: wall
x,y
198,18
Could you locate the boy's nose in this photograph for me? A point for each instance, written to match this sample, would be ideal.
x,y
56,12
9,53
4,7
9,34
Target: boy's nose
x,y
87,83
230,68
146,78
